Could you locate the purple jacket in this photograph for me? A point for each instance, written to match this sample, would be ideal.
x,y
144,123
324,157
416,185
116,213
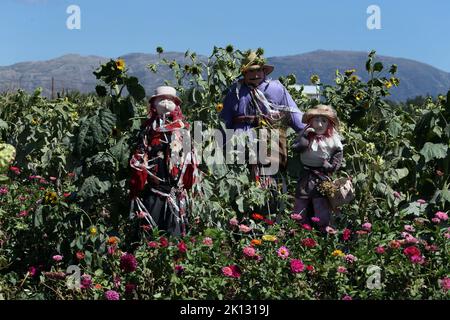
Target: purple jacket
x,y
275,93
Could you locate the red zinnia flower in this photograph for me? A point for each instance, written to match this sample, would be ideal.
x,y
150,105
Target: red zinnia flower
x,y
411,251
80,255
182,247
257,216
346,234
163,242
309,242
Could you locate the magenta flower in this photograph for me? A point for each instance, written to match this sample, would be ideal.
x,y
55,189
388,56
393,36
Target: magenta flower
x,y
306,227
347,297
297,266
296,216
234,222
409,228
231,271
112,295
128,263
315,219
397,194
445,284
367,226
86,281
330,230
421,201
153,244
441,215
417,259
23,213
179,269
32,271
207,241
182,247
346,234
380,250
283,252
249,251
57,257
3,190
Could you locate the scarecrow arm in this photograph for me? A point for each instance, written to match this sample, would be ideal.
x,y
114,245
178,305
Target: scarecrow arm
x,y
335,162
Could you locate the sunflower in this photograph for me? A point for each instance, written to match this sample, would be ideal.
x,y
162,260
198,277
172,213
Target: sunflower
x,y
120,64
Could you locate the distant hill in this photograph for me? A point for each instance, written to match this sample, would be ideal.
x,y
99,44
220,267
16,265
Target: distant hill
x,y
74,72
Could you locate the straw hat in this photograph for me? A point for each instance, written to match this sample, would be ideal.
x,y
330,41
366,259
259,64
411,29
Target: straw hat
x,y
321,110
168,92
253,61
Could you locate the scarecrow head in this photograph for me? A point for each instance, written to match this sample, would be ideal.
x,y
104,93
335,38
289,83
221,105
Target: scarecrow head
x,y
254,68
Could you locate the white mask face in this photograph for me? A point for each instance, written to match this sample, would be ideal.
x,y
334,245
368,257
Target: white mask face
x,y
320,124
164,106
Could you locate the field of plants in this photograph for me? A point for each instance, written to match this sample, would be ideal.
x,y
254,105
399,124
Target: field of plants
x,y
64,200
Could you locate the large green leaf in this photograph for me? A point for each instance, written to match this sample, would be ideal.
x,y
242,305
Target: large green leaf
x,y
434,151
95,131
121,152
93,186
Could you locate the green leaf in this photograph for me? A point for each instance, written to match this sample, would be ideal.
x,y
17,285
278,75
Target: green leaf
x,y
93,186
101,91
121,152
434,151
135,89
3,125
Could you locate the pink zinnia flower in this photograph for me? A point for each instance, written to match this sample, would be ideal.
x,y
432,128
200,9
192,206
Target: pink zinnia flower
x,y
411,251
3,190
128,262
141,214
441,215
53,178
112,295
16,170
410,239
111,250
231,271
330,230
283,252
347,297
409,228
153,244
245,229
397,194
297,266
207,241
367,226
421,201
436,220
417,259
346,234
23,213
234,222
350,258
380,250
315,219
249,251
341,269
57,257
445,284
306,227
296,216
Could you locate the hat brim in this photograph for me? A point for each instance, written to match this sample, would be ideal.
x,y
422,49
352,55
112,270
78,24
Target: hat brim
x,y
173,98
313,113
267,68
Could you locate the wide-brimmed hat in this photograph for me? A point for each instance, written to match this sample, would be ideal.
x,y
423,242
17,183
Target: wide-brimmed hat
x,y
321,110
166,91
254,61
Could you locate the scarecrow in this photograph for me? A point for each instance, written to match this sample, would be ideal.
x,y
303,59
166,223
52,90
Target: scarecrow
x,y
162,171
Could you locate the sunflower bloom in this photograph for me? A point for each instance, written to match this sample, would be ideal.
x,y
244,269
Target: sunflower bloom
x,y
120,64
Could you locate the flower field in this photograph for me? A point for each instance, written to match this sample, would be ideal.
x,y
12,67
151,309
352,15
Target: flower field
x,y
64,201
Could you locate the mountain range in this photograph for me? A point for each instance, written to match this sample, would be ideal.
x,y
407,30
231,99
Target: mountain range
x,y
74,72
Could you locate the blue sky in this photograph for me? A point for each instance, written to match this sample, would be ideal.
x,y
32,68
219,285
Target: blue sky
x,y
36,29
